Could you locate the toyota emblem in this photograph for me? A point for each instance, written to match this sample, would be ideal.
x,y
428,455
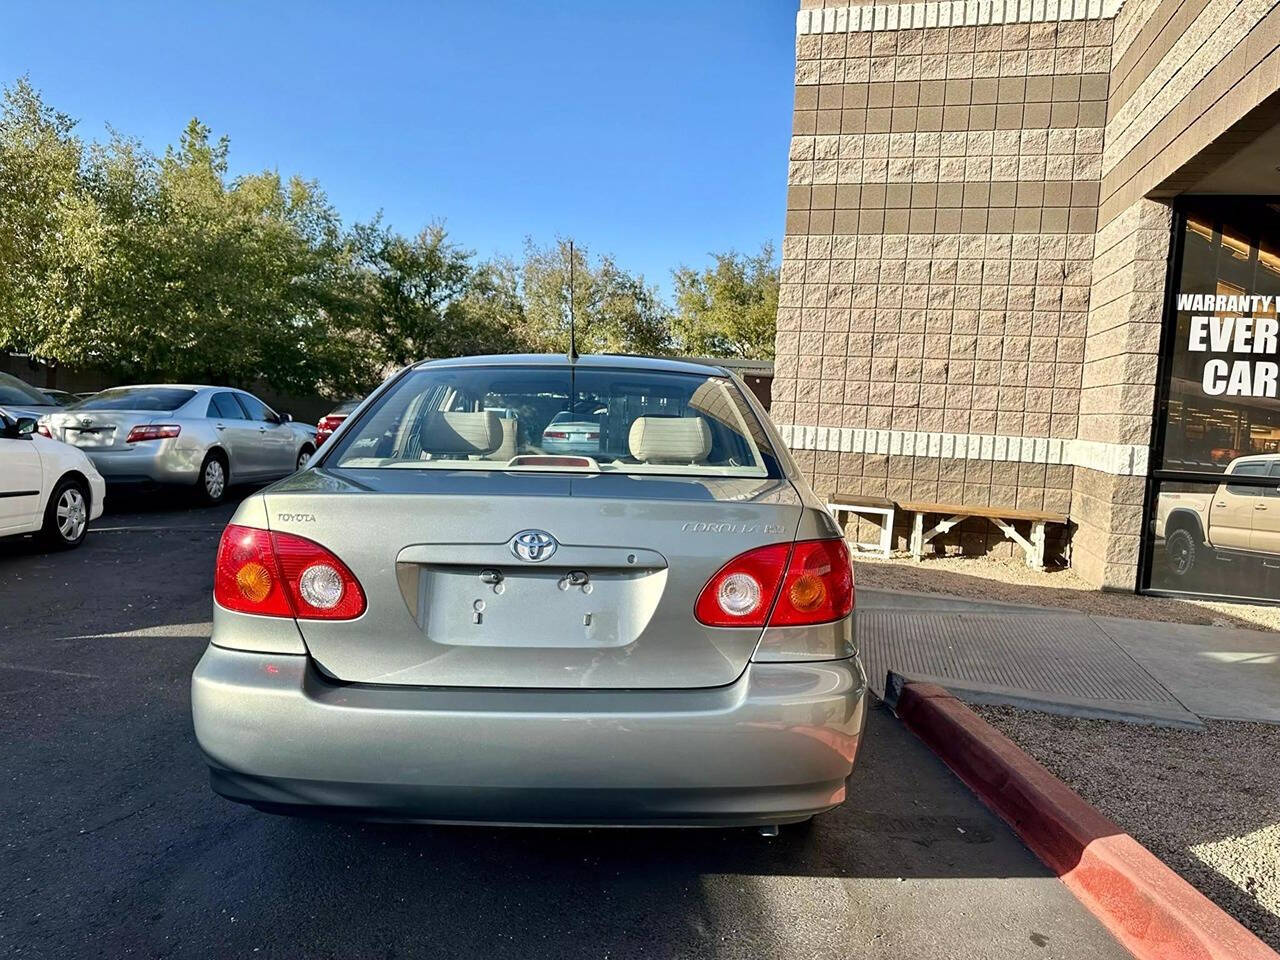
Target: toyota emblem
x,y
533,545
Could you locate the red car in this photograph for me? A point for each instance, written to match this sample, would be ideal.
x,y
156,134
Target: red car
x,y
330,421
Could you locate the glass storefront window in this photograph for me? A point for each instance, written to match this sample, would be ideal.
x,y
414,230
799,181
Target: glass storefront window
x,y
1221,407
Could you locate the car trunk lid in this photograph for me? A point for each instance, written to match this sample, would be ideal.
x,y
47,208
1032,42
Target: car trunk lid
x,y
96,429
456,598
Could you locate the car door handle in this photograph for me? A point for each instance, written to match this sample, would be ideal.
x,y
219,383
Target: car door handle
x,y
262,429
221,426
1259,506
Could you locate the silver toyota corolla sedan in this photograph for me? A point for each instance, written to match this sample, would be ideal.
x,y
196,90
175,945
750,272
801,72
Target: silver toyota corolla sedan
x,y
203,437
439,620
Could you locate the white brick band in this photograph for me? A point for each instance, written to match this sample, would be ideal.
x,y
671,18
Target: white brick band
x,y
1120,459
950,13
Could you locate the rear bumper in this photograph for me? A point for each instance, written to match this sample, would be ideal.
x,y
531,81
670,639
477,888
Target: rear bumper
x,y
155,462
776,745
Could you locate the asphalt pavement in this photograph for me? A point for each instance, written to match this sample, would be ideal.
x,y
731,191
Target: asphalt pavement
x,y
113,846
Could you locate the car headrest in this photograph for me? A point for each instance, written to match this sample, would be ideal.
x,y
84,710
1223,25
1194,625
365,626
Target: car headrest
x,y
452,433
669,439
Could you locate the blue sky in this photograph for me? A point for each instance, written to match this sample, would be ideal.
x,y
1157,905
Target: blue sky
x,y
653,129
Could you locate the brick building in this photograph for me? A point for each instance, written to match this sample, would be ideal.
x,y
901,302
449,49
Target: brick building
x,y
990,207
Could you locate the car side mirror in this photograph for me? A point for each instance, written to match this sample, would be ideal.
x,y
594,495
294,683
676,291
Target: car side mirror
x,y
284,418
19,429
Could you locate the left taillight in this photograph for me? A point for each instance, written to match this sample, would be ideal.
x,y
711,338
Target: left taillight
x,y
282,575
152,431
43,431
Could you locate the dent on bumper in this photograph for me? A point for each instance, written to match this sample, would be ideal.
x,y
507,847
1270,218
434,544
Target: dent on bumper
x,y
778,744
142,465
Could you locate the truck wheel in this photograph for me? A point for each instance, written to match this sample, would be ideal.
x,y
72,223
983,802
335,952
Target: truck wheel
x,y
1180,550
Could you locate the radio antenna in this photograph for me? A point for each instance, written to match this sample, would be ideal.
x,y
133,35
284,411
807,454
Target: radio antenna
x,y
573,333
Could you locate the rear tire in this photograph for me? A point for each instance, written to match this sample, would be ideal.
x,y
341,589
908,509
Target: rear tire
x,y
1181,549
304,456
211,487
66,515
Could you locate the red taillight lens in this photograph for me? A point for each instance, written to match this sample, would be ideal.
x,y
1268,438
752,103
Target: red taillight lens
x,y
281,575
554,435
44,431
808,582
152,431
818,587
742,591
327,425
247,577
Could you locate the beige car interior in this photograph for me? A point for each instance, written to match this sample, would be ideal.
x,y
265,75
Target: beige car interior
x,y
669,439
452,433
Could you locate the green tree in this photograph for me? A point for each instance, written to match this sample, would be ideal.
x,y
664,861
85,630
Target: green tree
x,y
49,229
729,309
614,312
426,296
215,280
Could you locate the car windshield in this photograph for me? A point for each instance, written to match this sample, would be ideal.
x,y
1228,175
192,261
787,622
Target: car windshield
x,y
136,398
598,420
15,391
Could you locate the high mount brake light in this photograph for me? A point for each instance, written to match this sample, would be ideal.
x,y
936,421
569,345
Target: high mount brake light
x,y
780,585
153,431
282,575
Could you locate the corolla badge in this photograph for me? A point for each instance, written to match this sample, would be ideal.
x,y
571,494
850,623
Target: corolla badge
x,y
533,545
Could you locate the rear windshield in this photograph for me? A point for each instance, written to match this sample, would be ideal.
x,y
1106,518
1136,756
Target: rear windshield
x,y
554,418
136,398
13,390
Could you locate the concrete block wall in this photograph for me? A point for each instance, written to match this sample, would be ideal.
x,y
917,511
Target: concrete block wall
x,y
1118,387
977,238
942,196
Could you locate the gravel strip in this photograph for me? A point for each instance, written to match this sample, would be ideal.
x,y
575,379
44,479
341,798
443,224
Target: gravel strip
x,y
1207,804
1011,581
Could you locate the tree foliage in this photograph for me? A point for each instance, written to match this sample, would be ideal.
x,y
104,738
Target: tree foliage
x,y
729,309
49,229
614,312
165,266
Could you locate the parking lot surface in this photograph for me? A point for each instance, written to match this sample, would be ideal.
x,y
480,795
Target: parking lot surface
x,y
113,845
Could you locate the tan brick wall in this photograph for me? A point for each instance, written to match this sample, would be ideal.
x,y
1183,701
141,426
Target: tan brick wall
x,y
1118,387
972,246
1183,74
941,210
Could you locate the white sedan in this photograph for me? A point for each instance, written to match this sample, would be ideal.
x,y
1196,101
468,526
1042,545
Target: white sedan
x,y
46,487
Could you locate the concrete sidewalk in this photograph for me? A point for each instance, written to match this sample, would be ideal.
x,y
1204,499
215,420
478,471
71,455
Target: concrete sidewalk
x,y
1071,662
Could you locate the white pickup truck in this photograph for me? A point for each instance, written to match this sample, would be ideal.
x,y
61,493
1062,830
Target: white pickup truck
x,y
1233,520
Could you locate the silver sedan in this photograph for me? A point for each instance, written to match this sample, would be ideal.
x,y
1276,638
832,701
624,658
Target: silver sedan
x,y
197,436
441,620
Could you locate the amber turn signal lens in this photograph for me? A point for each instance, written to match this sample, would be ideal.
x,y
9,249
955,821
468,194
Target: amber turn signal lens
x,y
807,593
254,582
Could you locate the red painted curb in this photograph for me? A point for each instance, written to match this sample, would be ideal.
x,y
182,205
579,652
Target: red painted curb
x,y
1151,910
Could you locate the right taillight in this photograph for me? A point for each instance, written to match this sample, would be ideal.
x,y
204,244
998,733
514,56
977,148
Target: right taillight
x,y
326,426
782,585
282,575
818,587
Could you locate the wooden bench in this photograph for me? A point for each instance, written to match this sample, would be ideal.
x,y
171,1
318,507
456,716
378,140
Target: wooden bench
x,y
1002,517
839,505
